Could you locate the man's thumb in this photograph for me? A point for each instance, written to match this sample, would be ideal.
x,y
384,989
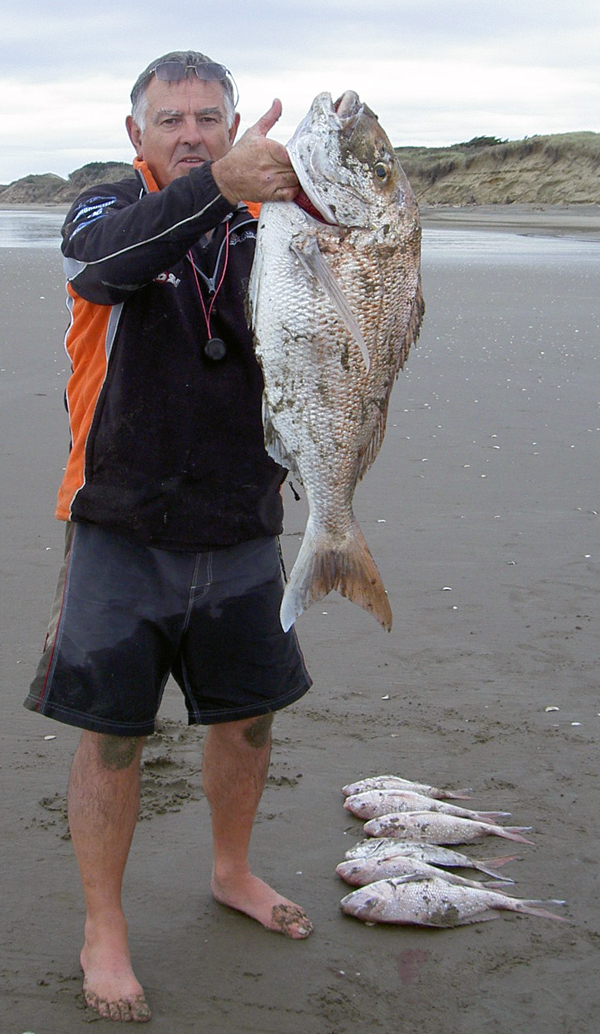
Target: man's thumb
x,y
268,120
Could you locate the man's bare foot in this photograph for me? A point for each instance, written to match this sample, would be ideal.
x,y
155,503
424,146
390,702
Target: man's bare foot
x,y
109,983
248,894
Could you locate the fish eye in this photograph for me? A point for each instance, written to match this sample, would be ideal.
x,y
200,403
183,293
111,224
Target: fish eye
x,y
381,170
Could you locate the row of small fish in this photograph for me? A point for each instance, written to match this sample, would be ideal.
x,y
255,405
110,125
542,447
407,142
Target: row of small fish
x,y
399,808
399,873
385,859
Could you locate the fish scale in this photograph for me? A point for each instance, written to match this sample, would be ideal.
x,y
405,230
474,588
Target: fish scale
x,y
335,306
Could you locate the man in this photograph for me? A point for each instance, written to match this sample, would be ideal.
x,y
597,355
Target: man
x,y
173,506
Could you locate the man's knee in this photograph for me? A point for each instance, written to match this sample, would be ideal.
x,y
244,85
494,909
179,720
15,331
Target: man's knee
x,y
118,752
258,732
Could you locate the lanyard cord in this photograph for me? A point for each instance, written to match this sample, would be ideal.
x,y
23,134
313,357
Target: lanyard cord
x,y
207,315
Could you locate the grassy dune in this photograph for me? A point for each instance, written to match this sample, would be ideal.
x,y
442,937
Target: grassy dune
x,y
560,169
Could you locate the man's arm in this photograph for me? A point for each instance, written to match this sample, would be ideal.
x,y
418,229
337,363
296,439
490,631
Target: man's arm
x,y
113,246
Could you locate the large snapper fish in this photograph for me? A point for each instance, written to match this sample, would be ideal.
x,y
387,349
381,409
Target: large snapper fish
x,y
335,304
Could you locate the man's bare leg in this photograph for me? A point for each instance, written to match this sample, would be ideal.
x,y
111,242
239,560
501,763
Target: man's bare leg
x,y
103,804
236,761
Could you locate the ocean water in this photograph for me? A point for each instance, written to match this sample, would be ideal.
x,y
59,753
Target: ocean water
x,y
30,228
40,228
472,246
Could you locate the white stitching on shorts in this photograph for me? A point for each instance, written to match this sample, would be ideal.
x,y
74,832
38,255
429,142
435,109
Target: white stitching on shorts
x,y
194,595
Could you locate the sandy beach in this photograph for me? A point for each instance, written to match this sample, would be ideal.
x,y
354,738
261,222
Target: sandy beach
x,y
482,512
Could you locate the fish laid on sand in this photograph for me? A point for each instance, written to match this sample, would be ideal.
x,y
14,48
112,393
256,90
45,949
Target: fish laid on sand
x,y
335,303
433,854
392,782
372,804
435,828
359,872
432,901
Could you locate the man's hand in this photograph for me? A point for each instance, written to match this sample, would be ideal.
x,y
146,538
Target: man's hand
x,y
256,168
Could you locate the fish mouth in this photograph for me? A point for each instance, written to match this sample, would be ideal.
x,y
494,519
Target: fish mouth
x,y
304,202
306,153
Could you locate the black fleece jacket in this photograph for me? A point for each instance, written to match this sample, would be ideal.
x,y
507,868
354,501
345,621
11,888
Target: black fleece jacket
x,y
166,443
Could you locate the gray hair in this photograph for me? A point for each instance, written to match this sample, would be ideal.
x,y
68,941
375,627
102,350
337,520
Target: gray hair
x,y
192,59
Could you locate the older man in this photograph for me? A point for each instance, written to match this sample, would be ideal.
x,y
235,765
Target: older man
x,y
173,506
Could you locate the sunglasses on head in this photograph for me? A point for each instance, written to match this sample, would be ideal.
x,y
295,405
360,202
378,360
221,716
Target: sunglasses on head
x,y
175,71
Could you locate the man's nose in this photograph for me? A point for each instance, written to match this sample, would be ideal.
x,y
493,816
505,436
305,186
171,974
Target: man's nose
x,y
191,132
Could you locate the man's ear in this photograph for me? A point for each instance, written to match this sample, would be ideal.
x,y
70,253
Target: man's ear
x,y
135,134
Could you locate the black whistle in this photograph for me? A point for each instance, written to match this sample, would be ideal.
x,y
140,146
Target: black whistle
x,y
215,349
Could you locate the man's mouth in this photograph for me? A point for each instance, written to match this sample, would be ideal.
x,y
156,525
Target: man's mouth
x,y
191,159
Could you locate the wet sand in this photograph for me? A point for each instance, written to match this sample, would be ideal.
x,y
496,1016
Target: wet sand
x,y
482,511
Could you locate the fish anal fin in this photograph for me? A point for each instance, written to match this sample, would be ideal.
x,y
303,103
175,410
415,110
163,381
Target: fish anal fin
x,y
325,563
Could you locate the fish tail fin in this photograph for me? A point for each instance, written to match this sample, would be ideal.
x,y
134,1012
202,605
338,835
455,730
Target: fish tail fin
x,y
491,864
514,833
532,908
326,562
456,795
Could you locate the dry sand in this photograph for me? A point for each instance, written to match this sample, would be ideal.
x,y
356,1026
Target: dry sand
x,y
487,483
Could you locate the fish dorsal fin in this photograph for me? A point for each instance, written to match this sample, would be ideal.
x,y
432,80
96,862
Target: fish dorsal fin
x,y
314,262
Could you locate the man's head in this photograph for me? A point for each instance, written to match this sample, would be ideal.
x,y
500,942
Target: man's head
x,y
183,113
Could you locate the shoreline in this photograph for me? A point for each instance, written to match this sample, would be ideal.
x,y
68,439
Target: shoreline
x,y
560,220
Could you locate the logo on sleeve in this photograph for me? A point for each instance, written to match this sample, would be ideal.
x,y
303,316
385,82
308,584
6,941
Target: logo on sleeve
x,y
167,278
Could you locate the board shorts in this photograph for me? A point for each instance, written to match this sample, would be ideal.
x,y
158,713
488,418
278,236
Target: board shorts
x,y
126,616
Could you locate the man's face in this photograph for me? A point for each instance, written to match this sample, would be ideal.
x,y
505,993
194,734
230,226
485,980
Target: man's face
x,y
186,124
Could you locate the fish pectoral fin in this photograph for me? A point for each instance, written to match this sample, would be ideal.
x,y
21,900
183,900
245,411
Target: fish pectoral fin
x,y
316,264
409,877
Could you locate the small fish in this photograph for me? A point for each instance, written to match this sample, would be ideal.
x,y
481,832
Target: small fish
x,y
433,854
434,828
392,782
372,804
431,901
359,872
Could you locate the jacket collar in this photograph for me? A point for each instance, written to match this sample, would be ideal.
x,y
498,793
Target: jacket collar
x,y
147,178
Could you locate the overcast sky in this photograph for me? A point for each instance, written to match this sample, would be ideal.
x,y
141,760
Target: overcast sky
x,y
436,71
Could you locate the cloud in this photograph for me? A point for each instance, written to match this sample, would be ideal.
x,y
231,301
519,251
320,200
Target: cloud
x,y
436,73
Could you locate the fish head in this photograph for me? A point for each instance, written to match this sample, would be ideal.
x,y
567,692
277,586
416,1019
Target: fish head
x,y
347,167
357,804
366,903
